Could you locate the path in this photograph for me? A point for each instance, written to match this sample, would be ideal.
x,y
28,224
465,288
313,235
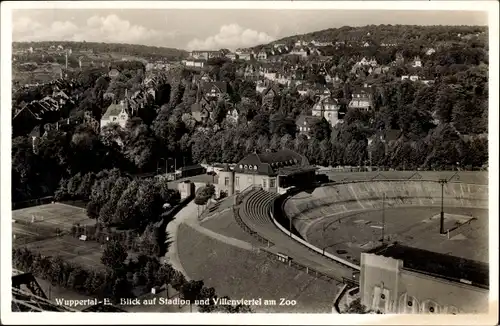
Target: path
x,y
189,216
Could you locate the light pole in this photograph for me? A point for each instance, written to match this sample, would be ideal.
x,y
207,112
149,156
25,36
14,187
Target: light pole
x,y
441,220
383,219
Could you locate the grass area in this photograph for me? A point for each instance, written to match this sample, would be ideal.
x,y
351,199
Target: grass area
x,y
244,274
355,232
41,235
225,224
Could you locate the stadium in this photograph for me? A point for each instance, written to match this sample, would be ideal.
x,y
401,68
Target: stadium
x,y
320,244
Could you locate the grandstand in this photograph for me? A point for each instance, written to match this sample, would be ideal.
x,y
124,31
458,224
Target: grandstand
x,y
347,218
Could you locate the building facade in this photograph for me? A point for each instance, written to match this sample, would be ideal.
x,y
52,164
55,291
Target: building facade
x,y
273,171
116,113
399,280
327,108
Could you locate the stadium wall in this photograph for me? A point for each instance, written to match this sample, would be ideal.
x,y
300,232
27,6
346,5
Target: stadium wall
x,y
332,199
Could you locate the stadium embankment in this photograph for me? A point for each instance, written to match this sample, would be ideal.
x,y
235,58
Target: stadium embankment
x,y
307,207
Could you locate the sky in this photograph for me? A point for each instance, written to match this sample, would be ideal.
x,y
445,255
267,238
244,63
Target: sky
x,y
209,29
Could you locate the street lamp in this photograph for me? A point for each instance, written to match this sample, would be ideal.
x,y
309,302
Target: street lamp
x,y
441,221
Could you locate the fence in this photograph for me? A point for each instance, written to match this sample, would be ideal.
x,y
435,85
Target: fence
x,y
32,202
341,261
302,267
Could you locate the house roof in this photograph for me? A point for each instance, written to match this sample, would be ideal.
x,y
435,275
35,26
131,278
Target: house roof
x,y
220,86
113,110
269,163
305,120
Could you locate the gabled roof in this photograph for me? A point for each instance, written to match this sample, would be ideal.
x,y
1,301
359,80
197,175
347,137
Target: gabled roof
x,y
202,104
220,86
305,120
113,110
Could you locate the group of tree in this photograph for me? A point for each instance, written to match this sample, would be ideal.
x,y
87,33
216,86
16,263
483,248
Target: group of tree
x,y
120,278
203,195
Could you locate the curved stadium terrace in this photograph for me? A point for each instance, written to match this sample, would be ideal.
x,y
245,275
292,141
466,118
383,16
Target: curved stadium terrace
x,y
348,219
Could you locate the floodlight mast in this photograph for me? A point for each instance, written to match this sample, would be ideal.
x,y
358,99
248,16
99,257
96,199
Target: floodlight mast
x,y
441,219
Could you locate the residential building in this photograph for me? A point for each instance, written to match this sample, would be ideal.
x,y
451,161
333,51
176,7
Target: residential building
x,y
261,86
116,113
113,73
232,116
304,123
417,63
399,279
430,51
361,99
194,63
272,171
300,51
247,56
205,55
262,55
232,56
214,90
327,108
202,110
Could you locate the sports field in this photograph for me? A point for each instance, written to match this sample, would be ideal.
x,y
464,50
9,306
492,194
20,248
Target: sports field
x,y
347,219
45,229
349,234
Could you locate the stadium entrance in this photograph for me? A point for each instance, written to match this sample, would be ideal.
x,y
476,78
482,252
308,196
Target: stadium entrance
x,y
299,177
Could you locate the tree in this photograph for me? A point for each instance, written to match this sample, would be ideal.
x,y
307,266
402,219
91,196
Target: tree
x,y
320,129
121,289
210,295
191,291
114,255
356,307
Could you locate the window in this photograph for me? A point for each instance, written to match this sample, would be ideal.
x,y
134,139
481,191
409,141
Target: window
x,y
226,181
113,119
382,296
249,180
329,114
264,183
410,303
237,181
431,309
272,183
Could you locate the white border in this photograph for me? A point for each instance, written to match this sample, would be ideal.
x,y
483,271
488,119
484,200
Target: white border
x,y
7,317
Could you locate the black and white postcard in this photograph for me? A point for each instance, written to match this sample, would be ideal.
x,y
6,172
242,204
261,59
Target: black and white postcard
x,y
295,162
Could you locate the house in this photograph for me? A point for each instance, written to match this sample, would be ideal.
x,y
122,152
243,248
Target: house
x,y
261,86
214,90
430,51
232,56
414,78
304,89
205,55
300,51
202,110
262,55
269,94
197,63
232,116
247,56
304,124
366,44
113,73
361,99
116,113
417,63
327,108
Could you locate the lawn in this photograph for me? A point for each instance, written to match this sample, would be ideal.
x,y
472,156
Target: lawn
x,y
239,273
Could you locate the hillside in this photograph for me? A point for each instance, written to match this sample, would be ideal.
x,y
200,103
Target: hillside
x,y
394,34
142,51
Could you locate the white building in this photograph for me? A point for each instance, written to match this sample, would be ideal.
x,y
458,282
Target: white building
x,y
116,113
327,108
